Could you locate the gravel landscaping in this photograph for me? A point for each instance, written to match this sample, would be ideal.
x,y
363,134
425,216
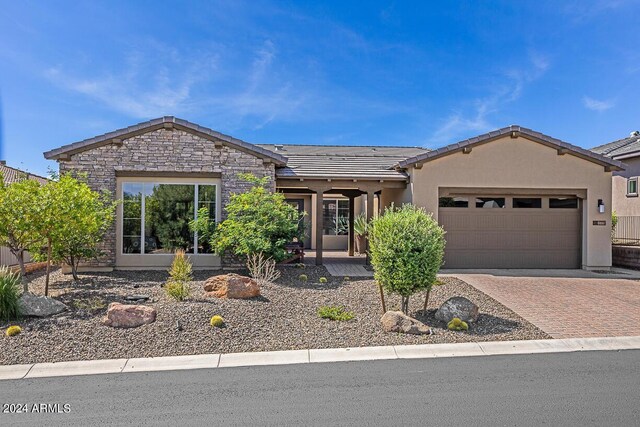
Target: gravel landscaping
x,y
283,318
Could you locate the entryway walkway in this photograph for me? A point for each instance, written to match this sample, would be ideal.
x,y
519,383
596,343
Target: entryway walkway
x,y
350,270
574,305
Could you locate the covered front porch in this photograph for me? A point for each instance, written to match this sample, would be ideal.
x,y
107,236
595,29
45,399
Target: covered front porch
x,y
330,238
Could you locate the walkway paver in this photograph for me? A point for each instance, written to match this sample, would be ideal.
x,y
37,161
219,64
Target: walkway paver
x,y
350,270
567,307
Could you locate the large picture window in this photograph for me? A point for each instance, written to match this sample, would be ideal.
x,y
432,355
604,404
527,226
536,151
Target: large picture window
x,y
156,217
335,215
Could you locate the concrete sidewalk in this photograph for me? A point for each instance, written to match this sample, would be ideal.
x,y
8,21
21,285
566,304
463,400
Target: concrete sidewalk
x,y
207,361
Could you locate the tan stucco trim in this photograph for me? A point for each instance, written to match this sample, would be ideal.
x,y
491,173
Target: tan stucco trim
x,y
133,261
505,191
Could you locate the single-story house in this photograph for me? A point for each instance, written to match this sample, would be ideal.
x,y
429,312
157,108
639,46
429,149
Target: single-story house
x,y
624,193
9,175
512,198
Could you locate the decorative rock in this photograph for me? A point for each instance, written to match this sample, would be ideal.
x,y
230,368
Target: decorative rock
x,y
129,316
396,321
40,306
231,286
459,307
140,298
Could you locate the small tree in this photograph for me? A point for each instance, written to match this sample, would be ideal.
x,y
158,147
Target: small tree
x,y
73,222
20,204
406,247
258,221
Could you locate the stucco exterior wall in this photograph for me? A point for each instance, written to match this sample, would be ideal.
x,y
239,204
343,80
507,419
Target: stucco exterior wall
x,y
519,163
167,152
625,205
395,196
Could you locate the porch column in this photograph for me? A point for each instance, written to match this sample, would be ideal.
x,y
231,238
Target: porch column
x,y
319,225
370,197
352,237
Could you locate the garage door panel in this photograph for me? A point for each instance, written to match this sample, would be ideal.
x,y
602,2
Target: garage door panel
x,y
512,238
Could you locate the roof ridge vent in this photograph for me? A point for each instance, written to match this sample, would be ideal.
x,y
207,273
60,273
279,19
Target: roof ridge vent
x,y
279,147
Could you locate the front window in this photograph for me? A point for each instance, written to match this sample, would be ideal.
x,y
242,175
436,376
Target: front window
x,y
156,217
335,217
632,187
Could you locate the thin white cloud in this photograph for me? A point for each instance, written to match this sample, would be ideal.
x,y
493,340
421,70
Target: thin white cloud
x,y
508,90
597,105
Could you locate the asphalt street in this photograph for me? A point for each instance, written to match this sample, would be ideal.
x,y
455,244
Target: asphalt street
x,y
588,388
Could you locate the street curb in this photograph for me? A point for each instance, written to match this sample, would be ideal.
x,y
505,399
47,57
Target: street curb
x,y
421,351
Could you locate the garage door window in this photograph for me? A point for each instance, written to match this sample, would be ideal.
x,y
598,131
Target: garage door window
x,y
490,202
563,203
454,202
527,203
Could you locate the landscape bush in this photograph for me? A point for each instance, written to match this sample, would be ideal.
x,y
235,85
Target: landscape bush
x,y
262,270
12,331
334,313
180,274
303,278
323,280
258,221
406,246
216,321
456,324
9,294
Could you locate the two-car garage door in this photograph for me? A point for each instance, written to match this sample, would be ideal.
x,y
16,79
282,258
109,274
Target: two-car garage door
x,y
533,231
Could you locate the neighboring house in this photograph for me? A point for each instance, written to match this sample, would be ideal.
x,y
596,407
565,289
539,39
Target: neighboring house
x,y
9,176
624,193
512,198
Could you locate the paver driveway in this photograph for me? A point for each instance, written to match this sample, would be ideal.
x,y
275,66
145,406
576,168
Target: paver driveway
x,y
567,307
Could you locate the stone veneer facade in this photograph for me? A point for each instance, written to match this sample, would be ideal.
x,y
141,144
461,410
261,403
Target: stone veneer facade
x,y
158,151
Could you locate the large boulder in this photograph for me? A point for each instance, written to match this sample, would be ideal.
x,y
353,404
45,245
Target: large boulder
x,y
40,306
231,286
459,307
396,321
129,315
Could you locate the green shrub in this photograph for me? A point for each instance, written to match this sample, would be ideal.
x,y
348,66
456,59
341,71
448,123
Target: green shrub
x,y
360,225
216,321
177,289
181,269
258,221
12,331
9,294
300,265
303,278
323,280
347,278
406,246
334,313
457,325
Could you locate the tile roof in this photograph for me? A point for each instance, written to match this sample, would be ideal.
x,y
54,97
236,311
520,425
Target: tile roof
x,y
11,175
519,130
621,147
342,162
157,124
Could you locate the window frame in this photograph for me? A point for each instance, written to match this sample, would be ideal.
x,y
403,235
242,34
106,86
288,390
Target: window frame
x,y
633,180
196,182
337,201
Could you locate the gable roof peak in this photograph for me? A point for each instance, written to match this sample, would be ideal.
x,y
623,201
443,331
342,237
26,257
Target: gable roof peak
x,y
158,123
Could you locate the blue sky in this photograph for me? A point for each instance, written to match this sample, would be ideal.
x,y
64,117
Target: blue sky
x,y
369,72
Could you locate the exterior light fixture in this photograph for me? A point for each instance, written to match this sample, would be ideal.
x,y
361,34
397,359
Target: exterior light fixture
x,y
600,206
